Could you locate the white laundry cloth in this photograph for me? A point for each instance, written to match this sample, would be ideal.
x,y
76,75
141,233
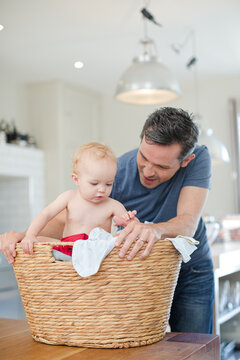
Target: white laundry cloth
x,y
185,245
87,255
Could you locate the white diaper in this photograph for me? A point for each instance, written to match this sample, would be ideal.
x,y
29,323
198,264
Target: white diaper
x,y
87,255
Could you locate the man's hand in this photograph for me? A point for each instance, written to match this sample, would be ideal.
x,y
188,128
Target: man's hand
x,y
27,244
8,243
139,233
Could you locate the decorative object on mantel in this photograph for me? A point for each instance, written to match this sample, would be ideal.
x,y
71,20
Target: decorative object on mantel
x,y
147,81
3,133
10,135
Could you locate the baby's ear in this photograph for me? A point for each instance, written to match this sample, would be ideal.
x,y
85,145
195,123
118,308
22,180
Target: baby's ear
x,y
75,178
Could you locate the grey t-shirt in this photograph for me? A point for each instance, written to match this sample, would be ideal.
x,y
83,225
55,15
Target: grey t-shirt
x,y
160,204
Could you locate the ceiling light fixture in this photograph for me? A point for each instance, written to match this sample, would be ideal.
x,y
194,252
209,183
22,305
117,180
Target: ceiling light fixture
x,y
78,65
1,27
216,148
147,81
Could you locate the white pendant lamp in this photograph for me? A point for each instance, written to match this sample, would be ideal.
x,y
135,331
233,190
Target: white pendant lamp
x,y
216,148
147,81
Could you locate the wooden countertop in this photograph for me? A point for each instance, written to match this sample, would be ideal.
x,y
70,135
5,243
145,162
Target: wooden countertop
x,y
16,343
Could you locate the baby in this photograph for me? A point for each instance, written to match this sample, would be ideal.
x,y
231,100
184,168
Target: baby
x,y
87,207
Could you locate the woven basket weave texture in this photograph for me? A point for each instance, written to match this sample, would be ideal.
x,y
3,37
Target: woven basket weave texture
x,y
126,304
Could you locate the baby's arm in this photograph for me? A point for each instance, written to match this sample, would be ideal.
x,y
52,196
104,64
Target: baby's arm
x,y
40,221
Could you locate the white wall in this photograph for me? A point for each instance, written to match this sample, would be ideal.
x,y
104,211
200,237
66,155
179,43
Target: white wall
x,y
62,117
13,102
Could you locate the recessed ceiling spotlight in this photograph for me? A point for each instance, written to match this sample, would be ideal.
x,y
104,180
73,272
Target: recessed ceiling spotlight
x,y
78,64
1,27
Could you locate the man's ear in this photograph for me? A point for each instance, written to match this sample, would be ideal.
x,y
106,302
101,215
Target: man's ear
x,y
187,160
75,178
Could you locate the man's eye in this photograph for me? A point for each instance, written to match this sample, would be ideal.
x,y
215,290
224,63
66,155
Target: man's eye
x,y
161,167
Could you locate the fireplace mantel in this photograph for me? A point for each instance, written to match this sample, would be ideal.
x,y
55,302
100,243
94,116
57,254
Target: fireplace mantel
x,y
21,186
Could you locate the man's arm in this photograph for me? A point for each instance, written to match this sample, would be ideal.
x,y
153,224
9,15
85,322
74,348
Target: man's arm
x,y
189,209
9,240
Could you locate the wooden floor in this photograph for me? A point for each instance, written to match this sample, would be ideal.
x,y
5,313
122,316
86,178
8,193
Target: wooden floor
x,y
16,343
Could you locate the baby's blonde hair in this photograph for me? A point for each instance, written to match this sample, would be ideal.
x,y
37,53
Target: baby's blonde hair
x,y
97,150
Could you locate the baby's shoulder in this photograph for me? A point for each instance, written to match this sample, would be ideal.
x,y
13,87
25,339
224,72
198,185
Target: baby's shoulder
x,y
115,204
68,194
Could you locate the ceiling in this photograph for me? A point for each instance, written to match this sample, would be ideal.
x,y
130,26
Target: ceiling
x,y
42,39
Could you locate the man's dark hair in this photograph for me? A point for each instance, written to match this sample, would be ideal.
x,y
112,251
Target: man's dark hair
x,y
169,125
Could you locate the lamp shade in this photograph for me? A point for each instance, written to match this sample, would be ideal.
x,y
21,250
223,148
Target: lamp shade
x,y
147,82
217,149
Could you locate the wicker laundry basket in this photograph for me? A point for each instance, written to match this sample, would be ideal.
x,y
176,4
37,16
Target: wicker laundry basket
x,y
126,304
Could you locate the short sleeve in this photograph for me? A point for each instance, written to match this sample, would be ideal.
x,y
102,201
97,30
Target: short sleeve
x,y
198,171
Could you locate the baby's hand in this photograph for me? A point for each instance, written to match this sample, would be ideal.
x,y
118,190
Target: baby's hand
x,y
27,244
124,219
130,215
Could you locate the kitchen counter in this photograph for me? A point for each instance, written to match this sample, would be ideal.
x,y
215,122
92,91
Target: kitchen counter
x,y
16,343
226,264
226,255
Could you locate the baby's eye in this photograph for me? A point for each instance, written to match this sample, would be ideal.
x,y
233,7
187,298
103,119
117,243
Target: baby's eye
x,y
110,184
93,183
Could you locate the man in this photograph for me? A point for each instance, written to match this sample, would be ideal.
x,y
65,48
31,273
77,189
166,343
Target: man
x,y
166,180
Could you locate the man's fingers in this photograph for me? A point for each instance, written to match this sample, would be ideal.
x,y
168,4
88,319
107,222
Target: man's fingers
x,y
147,250
9,256
138,245
138,233
143,237
123,234
7,244
130,239
12,249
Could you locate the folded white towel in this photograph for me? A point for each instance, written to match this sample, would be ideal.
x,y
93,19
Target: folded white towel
x,y
87,255
185,245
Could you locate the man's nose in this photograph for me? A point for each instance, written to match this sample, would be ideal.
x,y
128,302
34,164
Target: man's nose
x,y
149,171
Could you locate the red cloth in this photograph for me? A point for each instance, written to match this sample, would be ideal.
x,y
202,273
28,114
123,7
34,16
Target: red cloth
x,y
67,249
